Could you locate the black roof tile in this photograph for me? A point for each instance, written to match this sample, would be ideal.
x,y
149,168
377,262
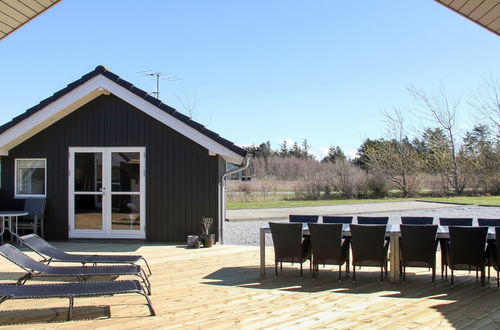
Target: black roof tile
x,y
210,134
167,109
196,126
225,143
139,92
151,99
181,117
125,84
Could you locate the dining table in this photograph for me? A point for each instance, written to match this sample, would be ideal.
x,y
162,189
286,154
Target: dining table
x,y
7,221
393,233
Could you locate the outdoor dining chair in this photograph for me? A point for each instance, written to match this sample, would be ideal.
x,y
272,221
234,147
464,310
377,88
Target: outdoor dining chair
x,y
373,220
417,220
418,246
369,248
466,250
488,222
328,247
289,246
50,253
443,241
304,218
337,219
36,215
35,269
455,221
494,256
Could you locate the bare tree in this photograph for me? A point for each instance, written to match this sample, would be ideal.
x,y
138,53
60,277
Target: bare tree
x,y
188,102
441,109
486,103
345,177
396,159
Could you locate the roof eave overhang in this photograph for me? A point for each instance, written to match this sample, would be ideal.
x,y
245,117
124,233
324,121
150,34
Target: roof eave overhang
x,y
88,91
13,25
489,18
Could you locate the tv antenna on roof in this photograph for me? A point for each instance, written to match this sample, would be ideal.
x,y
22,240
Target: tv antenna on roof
x,y
158,76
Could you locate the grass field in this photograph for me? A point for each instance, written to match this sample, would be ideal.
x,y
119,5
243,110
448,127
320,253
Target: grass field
x,y
490,200
485,200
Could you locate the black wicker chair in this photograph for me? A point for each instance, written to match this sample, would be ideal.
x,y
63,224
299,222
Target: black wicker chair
x,y
483,222
337,219
442,242
304,218
328,248
466,250
455,222
289,245
369,248
417,220
418,246
494,256
373,220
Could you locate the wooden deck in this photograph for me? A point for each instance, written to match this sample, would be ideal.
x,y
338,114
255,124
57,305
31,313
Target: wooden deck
x,y
221,288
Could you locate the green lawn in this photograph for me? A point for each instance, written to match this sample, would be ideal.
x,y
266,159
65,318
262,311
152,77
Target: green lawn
x,y
492,200
272,204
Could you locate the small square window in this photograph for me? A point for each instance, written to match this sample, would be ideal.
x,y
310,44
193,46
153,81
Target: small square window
x,y
30,177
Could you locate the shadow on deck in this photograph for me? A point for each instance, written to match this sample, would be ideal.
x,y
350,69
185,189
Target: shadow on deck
x,y
467,304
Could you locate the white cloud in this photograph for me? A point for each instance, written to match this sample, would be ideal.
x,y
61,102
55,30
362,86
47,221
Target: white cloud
x,y
316,155
245,145
351,154
323,151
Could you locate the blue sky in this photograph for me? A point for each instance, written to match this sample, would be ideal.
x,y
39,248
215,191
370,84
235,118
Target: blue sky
x,y
261,70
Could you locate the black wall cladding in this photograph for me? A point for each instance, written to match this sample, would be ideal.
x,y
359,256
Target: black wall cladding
x,y
181,177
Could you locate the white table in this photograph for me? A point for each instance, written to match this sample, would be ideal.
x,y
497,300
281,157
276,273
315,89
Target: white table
x,y
393,232
7,218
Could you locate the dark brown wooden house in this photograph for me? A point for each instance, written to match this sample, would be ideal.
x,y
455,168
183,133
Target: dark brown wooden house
x,y
114,162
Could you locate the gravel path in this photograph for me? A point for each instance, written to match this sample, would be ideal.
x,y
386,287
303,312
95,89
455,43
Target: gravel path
x,y
247,232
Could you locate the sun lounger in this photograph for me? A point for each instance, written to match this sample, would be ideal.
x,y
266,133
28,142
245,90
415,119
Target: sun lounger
x,y
72,291
50,253
34,268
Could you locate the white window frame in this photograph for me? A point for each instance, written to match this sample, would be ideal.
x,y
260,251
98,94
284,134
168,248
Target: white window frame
x,y
16,195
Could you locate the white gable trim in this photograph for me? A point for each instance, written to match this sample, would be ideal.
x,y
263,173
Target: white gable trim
x,y
87,92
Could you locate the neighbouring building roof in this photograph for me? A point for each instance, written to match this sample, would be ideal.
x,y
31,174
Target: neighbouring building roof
x,y
16,13
102,81
483,12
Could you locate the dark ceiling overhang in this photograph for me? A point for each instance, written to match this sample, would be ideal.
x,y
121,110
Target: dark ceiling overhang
x,y
16,13
486,13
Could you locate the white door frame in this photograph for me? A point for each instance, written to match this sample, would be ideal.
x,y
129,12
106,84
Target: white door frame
x,y
106,231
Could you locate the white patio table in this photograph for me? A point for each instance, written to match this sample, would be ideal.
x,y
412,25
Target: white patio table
x,y
7,219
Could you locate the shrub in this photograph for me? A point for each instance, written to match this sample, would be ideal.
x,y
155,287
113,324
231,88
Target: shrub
x,y
345,178
377,186
308,189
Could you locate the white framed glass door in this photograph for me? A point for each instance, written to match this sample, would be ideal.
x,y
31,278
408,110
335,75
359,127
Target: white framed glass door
x,y
106,192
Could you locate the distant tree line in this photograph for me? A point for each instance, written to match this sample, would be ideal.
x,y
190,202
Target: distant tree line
x,y
458,163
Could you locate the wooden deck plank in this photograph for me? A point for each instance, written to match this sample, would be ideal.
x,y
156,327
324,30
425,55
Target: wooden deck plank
x,y
221,288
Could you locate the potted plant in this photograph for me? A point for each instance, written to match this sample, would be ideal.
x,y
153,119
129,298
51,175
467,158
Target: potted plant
x,y
207,239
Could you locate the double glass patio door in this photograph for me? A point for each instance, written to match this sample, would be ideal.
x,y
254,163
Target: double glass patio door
x,y
106,192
